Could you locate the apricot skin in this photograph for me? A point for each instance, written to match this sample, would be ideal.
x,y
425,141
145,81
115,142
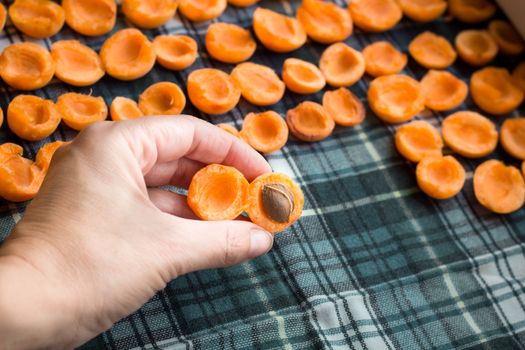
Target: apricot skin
x,y
288,36
325,22
32,118
229,43
90,17
175,52
87,74
37,18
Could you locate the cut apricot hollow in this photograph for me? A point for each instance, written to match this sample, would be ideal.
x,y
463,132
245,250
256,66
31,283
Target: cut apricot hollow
x,y
266,132
162,98
443,90
229,129
432,51
417,140
123,108
274,202
37,18
175,52
381,58
476,47
242,3
469,134
375,15
507,37
302,77
423,10
76,63
499,188
32,118
128,54
212,91
278,32
325,22
202,10
26,66
259,85
512,137
3,16
472,11
396,98
440,177
493,90
149,14
518,76
342,65
309,121
90,17
218,192
229,43
345,108
79,111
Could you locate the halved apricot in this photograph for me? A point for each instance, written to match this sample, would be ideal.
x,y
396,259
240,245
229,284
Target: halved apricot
x,y
149,13
523,168
512,137
469,134
212,91
440,177
90,17
32,118
242,3
518,76
202,10
417,140
37,18
382,58
396,98
423,10
278,32
476,47
1,116
3,16
345,108
26,66
259,85
443,90
218,192
493,90
375,15
325,22
162,98
266,132
229,129
76,63
302,77
309,121
342,65
175,52
472,11
123,108
432,51
507,37
229,43
79,111
499,188
128,54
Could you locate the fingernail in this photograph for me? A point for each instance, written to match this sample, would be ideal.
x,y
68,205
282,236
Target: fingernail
x,y
260,242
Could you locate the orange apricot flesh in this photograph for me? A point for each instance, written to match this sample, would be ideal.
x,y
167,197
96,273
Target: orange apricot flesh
x,y
90,17
432,51
469,134
443,90
507,37
302,77
79,111
259,85
123,108
149,13
202,10
32,118
309,121
417,140
164,98
242,3
3,16
229,43
345,108
278,32
175,52
266,132
440,177
76,63
476,47
229,129
37,18
325,22
499,188
472,11
512,137
342,65
518,76
375,15
382,58
1,116
212,91
423,10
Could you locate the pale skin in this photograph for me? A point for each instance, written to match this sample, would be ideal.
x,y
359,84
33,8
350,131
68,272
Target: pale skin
x,y
101,238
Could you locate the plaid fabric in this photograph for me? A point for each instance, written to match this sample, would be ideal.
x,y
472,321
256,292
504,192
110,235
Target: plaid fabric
x,y
372,264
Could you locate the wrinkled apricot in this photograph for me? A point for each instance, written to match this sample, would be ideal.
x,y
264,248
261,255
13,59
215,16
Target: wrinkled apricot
x,y
212,91
229,129
175,52
423,10
440,177
79,111
493,90
325,22
476,47
162,98
507,37
76,63
259,85
499,188
342,65
3,16
266,132
123,108
443,90
469,134
417,140
309,121
432,51
278,32
396,98
375,15
229,43
381,58
128,54
512,137
37,18
345,108
472,11
518,76
90,17
202,10
149,13
302,77
32,118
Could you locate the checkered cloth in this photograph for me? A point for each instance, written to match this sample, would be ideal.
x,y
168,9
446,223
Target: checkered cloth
x,y
372,264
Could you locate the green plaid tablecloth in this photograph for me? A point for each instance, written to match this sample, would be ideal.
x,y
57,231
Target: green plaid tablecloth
x,y
372,264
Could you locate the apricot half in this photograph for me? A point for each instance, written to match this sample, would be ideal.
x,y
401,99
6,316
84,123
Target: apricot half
x,y
443,90
128,54
375,15
278,32
242,3
432,51
440,177
476,47
325,22
499,188
37,18
79,111
518,76
3,16
212,91
175,52
302,77
123,108
342,65
345,108
493,90
417,140
266,132
90,17
32,118
507,37
162,98
229,129
423,10
396,98
309,121
259,85
202,10
76,63
472,11
149,13
229,43
381,58
469,134
512,137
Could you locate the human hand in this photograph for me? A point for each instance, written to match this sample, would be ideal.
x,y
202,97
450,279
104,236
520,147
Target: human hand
x,y
100,238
